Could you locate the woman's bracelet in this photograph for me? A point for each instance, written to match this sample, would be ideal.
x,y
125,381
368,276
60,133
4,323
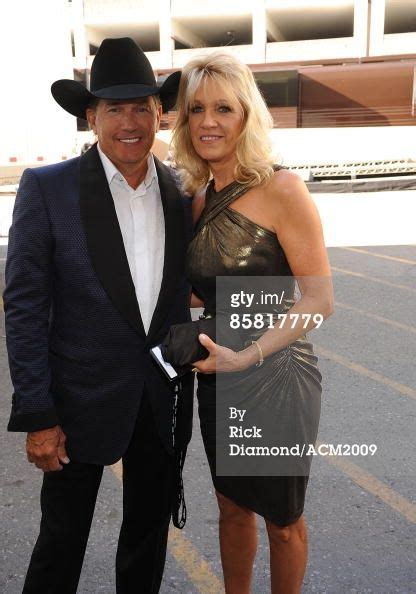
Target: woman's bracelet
x,y
261,358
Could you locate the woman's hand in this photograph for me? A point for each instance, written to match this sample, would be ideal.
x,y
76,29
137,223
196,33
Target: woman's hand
x,y
221,359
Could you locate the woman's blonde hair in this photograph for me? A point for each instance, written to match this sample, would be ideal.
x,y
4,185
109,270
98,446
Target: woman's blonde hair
x,y
253,151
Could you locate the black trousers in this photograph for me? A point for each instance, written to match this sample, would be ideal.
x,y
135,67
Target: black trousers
x,y
67,502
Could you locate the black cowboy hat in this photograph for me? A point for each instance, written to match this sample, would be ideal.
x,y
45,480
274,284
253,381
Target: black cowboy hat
x,y
120,70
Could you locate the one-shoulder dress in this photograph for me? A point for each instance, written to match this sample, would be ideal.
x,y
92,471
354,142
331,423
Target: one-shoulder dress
x,y
228,243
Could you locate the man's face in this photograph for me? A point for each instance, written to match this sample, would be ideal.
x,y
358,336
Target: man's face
x,y
125,129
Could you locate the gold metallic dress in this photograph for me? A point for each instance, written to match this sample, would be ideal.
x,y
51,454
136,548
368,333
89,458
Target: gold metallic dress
x,y
228,243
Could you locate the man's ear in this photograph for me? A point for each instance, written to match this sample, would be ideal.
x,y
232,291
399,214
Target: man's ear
x,y
158,116
91,115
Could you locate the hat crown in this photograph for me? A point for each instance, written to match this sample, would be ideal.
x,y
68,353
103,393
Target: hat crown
x,y
120,62
120,71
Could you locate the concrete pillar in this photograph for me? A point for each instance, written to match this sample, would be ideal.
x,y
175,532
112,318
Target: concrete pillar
x,y
259,31
35,50
377,27
361,27
165,33
82,49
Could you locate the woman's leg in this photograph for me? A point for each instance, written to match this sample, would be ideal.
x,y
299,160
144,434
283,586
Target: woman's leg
x,y
288,556
238,544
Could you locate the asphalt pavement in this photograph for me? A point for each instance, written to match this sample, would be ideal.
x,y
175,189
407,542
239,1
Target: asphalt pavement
x,y
360,510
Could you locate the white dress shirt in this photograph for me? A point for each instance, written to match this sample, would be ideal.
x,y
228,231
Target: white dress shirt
x,y
142,224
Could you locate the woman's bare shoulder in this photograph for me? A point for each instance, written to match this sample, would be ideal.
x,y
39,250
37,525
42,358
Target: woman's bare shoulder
x,y
287,190
285,182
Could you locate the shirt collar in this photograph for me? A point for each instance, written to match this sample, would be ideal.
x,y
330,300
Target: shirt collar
x,y
111,170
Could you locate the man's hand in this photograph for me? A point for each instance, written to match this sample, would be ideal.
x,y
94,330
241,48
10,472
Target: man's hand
x,y
46,448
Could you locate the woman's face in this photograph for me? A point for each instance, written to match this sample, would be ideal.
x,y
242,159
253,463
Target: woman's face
x,y
215,123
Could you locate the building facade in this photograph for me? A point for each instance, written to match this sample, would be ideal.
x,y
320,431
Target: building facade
x,y
319,63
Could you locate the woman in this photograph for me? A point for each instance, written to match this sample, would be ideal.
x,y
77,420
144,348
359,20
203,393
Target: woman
x,y
254,219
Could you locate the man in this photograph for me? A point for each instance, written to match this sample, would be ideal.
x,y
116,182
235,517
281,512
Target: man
x,y
94,279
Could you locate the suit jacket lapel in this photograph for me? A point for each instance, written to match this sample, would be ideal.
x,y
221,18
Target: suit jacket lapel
x,y
175,247
104,239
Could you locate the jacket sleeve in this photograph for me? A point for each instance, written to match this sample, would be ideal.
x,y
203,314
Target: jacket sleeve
x,y
27,305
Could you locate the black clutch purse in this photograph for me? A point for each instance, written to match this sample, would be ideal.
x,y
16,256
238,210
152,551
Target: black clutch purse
x,y
181,346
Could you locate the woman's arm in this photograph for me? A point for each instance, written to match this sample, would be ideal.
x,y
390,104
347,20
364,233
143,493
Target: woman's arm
x,y
295,218
299,230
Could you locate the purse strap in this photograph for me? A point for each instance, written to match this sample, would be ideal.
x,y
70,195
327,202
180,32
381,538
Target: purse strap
x,y
179,505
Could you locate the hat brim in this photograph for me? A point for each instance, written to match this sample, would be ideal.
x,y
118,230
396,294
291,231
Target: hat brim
x,y
169,90
75,98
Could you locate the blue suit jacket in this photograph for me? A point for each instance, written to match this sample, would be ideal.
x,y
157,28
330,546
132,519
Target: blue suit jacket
x,y
78,353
